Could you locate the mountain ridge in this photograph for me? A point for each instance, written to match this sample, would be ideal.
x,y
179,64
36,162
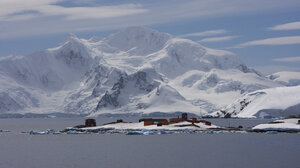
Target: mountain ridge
x,y
137,70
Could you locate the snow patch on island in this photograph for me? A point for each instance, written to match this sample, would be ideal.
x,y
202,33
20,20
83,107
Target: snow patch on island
x,y
286,125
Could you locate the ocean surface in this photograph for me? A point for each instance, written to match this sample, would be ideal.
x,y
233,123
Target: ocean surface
x,y
232,150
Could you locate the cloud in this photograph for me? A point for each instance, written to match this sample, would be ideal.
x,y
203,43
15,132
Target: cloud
x,y
287,26
76,13
10,8
287,59
47,17
205,33
218,39
287,40
17,10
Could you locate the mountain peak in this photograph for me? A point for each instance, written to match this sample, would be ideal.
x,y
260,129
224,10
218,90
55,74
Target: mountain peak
x,y
138,40
71,37
139,30
72,42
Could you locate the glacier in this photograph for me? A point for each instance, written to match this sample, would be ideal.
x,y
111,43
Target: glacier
x,y
266,103
135,71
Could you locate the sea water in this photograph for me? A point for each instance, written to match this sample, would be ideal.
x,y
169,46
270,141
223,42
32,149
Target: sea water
x,y
247,150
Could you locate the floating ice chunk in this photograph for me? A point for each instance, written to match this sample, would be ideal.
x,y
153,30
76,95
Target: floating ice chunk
x,y
105,129
209,132
190,131
142,132
77,132
145,130
159,132
4,131
148,133
134,133
271,132
56,132
39,132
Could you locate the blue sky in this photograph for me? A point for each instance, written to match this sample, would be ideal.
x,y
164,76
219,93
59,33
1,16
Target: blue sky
x,y
265,34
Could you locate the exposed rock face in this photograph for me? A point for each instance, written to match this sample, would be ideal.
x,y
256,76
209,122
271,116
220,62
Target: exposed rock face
x,y
139,81
112,98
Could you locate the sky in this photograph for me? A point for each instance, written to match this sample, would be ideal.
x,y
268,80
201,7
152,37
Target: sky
x,y
265,34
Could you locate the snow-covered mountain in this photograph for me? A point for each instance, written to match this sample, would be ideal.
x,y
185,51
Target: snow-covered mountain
x,y
266,103
137,70
286,78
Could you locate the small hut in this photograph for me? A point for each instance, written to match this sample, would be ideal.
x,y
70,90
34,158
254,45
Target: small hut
x,y
90,123
152,121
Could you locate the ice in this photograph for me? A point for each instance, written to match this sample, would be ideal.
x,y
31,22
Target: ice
x,y
160,132
56,132
209,132
77,132
4,130
134,133
39,132
286,125
271,132
147,132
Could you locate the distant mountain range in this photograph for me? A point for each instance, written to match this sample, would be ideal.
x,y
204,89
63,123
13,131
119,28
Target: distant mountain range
x,y
135,71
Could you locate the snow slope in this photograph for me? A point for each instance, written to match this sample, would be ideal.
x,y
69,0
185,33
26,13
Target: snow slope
x,y
137,70
273,102
286,78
